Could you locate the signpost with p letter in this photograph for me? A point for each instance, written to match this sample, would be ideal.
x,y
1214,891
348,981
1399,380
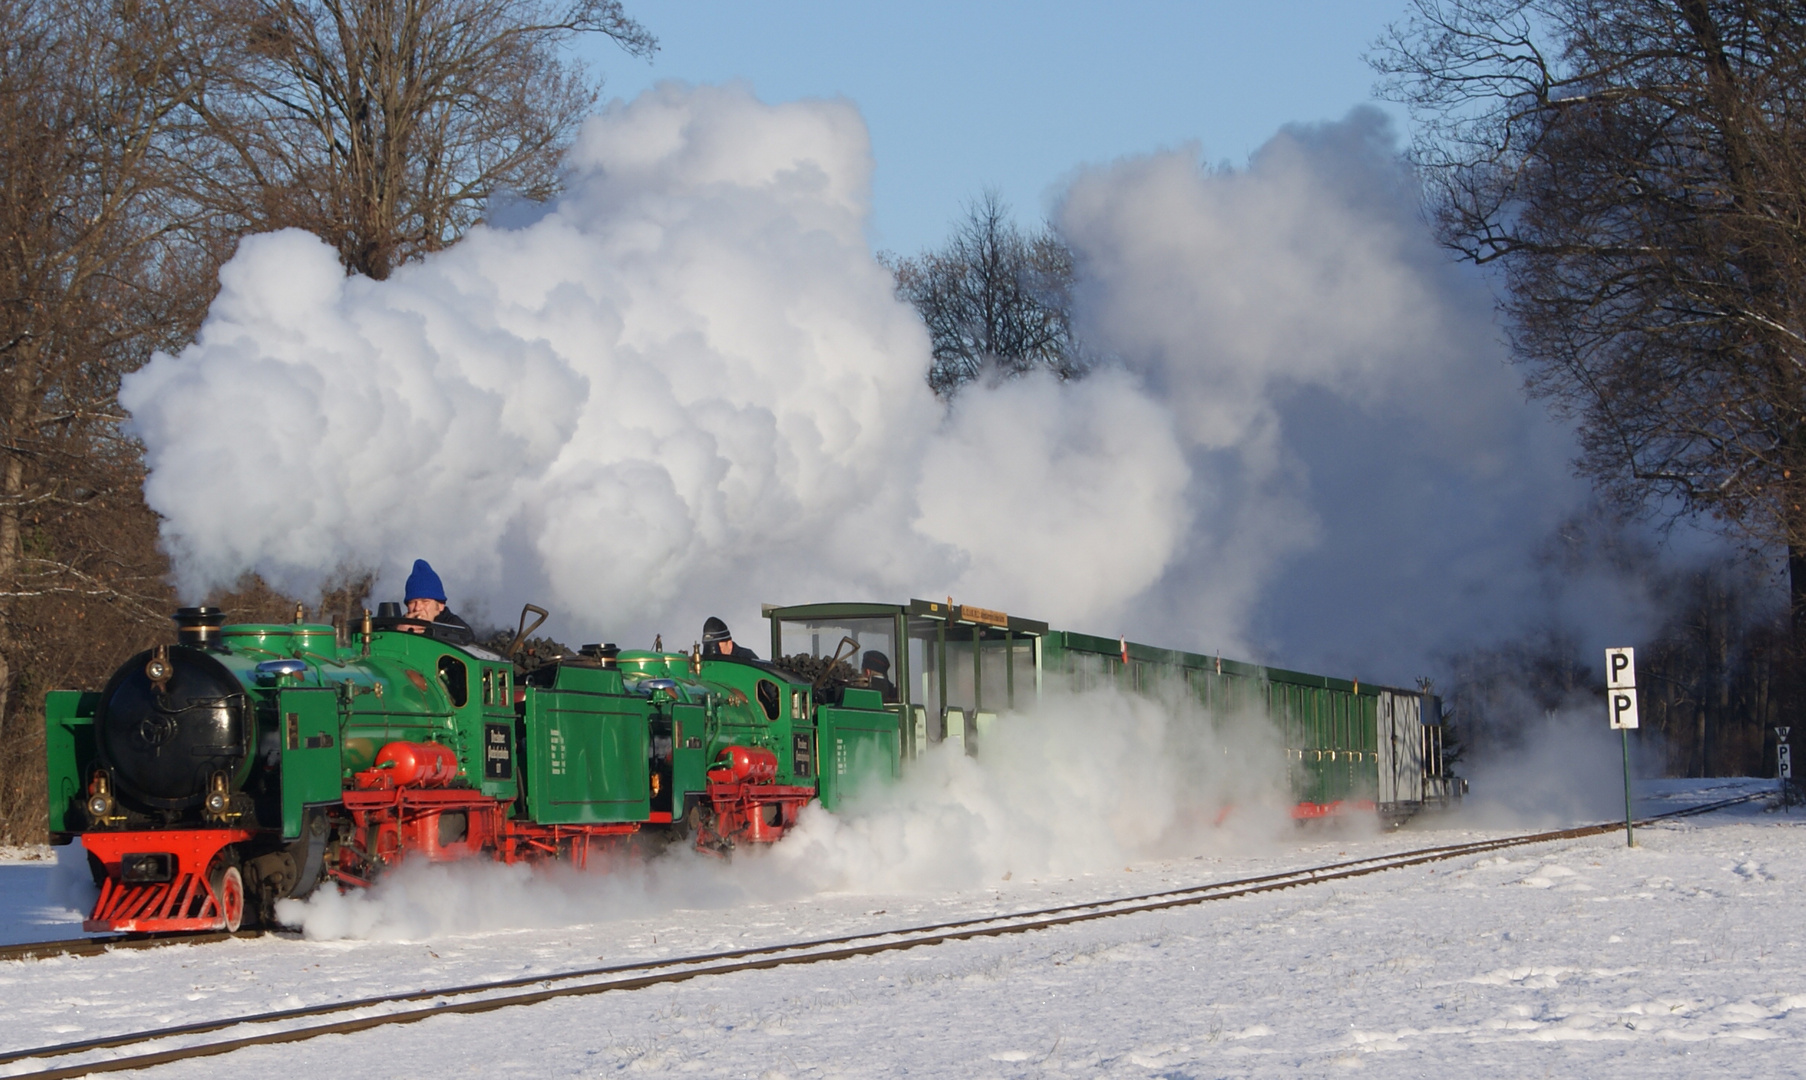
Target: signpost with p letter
x,y
1784,766
1621,700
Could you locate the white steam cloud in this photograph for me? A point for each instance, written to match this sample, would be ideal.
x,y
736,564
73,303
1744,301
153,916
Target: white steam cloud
x,y
1368,478
686,386
1562,767
1086,782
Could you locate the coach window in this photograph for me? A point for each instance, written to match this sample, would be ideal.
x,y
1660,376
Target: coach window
x,y
1088,671
1020,678
925,659
961,686
994,681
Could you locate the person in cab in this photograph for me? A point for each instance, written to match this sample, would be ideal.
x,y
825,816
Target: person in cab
x,y
426,602
718,643
875,666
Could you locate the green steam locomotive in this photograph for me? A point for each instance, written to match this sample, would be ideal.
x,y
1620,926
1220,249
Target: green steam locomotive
x,y
242,764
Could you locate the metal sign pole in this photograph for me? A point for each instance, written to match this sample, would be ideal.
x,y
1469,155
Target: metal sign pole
x,y
1621,704
1784,767
1630,837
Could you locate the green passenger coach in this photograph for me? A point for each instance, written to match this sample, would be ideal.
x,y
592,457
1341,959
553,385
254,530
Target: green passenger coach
x,y
1351,746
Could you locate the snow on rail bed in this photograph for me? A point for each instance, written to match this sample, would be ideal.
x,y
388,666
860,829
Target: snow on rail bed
x,y
1572,958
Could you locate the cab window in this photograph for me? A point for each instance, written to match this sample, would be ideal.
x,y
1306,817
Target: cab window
x,y
456,680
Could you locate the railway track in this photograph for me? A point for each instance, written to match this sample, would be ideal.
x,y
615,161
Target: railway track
x,y
296,1025
94,946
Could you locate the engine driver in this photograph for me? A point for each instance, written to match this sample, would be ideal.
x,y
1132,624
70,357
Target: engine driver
x,y
426,602
718,643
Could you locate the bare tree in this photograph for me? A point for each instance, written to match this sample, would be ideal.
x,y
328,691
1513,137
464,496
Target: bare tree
x,y
385,126
99,265
1638,170
137,141
994,298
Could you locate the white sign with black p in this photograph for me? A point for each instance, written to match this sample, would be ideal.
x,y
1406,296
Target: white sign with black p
x,y
1621,669
1624,707
1621,687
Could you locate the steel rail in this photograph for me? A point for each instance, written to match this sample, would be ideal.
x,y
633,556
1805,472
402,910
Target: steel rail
x,y
95,946
683,969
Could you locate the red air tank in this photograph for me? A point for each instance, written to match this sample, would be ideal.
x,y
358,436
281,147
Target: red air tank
x,y
418,764
747,765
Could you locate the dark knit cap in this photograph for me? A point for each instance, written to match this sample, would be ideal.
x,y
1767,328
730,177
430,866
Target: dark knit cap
x,y
875,661
715,631
423,584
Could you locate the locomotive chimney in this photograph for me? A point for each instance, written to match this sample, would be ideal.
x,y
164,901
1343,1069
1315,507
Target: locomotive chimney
x,y
602,654
198,626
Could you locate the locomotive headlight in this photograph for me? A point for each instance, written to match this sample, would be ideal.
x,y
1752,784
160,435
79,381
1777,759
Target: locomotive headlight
x,y
100,796
219,795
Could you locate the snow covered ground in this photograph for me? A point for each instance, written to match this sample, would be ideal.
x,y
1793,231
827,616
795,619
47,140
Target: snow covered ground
x,y
1679,957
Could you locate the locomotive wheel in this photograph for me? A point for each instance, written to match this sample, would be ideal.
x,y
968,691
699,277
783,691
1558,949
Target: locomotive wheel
x,y
229,887
704,826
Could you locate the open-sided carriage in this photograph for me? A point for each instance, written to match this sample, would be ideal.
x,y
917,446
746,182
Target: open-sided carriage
x,y
1351,746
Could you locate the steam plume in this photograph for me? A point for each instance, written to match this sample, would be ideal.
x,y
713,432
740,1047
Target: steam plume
x,y
685,387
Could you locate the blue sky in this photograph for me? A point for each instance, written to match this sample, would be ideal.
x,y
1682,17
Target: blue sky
x,y
1013,95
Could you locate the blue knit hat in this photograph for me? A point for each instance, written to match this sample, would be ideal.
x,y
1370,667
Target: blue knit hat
x,y
423,584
